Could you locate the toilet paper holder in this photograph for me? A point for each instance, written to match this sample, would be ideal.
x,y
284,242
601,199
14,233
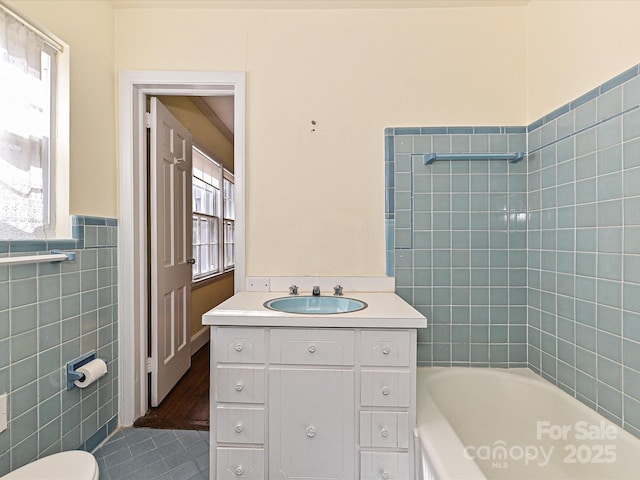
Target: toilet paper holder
x,y
76,363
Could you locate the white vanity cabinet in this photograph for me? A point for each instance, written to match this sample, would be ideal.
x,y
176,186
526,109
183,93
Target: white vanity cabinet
x,y
312,403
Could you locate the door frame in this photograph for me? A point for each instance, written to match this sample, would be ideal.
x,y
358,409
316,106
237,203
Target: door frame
x,y
133,315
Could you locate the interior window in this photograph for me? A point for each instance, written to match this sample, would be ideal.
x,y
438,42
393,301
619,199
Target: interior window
x,y
229,218
212,217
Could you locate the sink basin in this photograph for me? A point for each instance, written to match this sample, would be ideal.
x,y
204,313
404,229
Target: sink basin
x,y
315,305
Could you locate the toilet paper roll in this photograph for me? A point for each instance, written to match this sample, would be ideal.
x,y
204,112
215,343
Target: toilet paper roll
x,y
92,371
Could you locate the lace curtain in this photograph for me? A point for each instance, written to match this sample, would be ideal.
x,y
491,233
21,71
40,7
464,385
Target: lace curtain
x,y
24,130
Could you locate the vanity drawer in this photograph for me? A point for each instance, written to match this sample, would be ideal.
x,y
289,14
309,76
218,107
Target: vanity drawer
x,y
385,388
239,384
234,463
240,425
239,345
384,429
384,466
312,347
384,348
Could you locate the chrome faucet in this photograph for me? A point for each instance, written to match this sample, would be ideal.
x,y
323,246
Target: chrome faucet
x,y
293,290
337,290
316,291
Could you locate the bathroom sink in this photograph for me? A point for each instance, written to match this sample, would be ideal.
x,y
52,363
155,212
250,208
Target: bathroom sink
x,y
308,304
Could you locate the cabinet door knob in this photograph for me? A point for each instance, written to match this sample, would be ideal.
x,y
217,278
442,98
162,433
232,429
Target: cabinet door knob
x,y
311,432
385,476
312,348
386,390
239,428
384,432
239,387
239,471
386,350
239,347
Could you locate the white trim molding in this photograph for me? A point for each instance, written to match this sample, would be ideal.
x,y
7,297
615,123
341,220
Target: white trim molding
x,y
200,339
133,88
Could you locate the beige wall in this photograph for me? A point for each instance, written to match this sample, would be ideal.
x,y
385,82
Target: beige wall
x,y
88,29
315,200
576,45
205,298
208,294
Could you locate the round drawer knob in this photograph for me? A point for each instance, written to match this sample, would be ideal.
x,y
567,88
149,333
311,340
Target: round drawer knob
x,y
239,347
239,387
312,349
385,476
384,432
386,390
239,428
386,350
239,471
311,432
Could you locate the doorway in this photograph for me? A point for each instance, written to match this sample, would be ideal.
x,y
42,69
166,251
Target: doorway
x,y
133,331
186,407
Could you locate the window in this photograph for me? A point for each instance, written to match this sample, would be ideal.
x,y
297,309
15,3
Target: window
x,y
229,217
213,217
27,111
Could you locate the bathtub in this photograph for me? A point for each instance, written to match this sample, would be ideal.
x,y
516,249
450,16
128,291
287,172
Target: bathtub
x,y
481,423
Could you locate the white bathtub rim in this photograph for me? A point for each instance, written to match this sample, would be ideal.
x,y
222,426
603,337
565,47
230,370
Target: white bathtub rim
x,y
525,375
437,436
440,439
439,443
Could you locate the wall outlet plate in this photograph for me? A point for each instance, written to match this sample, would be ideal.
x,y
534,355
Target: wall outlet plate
x,y
3,412
258,284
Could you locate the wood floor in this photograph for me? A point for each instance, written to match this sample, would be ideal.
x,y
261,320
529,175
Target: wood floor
x,y
187,405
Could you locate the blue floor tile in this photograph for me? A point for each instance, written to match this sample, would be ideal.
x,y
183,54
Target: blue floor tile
x,y
150,454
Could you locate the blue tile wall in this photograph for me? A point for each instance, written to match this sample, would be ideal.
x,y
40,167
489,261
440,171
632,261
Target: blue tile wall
x,y
51,313
584,254
459,251
557,236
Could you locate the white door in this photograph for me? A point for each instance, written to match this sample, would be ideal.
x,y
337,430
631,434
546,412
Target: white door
x,y
171,247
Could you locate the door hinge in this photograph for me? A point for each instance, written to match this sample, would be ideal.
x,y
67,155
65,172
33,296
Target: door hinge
x,y
148,364
147,119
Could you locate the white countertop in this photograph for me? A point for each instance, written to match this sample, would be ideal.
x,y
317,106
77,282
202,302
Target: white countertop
x,y
384,310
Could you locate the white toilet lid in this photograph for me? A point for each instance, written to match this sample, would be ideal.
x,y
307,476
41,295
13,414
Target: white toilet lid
x,y
71,465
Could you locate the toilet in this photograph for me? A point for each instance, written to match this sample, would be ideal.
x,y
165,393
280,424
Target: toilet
x,y
71,465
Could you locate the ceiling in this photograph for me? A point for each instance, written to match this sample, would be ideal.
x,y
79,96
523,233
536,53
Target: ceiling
x,y
315,4
222,106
